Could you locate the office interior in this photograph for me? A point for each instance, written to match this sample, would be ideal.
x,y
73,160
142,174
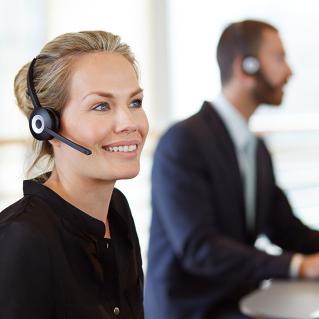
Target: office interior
x,y
174,42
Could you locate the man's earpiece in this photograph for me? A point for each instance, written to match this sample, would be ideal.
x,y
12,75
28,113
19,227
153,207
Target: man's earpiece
x,y
250,65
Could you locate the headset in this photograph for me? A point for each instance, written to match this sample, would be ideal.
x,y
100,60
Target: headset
x,y
44,122
250,65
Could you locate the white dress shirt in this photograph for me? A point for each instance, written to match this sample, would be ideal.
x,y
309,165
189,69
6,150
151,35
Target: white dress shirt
x,y
236,125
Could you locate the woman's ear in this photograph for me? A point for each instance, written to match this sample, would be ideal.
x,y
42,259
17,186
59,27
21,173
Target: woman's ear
x,y
54,142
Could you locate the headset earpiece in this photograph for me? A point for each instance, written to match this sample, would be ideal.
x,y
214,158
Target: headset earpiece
x,y
250,65
44,123
42,119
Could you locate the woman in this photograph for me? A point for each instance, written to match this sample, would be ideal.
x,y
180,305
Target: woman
x,y
68,248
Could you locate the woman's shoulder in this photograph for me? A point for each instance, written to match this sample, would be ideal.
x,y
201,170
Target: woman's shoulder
x,y
19,233
23,246
29,213
14,209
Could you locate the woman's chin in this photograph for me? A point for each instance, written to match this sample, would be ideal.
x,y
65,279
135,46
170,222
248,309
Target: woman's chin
x,y
128,175
125,174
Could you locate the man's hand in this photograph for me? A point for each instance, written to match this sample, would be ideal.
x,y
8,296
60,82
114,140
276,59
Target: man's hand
x,y
310,267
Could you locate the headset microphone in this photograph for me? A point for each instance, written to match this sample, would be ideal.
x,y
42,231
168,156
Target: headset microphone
x,y
44,122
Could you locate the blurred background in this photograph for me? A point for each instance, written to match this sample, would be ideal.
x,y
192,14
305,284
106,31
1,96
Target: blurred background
x,y
174,42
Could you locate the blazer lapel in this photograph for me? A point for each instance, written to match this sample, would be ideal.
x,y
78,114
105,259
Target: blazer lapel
x,y
264,173
221,152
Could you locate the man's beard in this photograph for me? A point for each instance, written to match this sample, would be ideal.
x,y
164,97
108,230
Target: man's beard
x,y
266,93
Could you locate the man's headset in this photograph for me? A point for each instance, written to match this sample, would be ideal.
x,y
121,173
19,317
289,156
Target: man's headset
x,y
44,123
250,65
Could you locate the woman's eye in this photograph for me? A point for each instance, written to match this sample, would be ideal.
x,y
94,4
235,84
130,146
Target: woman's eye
x,y
102,107
136,103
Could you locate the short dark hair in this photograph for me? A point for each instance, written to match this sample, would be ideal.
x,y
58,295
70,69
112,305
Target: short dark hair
x,y
239,39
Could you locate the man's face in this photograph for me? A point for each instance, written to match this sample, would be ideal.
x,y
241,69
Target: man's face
x,y
274,73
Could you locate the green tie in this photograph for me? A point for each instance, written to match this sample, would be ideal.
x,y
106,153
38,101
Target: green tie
x,y
250,181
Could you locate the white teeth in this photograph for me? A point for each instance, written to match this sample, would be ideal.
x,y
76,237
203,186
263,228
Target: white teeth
x,y
123,148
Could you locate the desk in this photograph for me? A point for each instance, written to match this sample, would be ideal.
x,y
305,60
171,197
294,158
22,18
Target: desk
x,y
284,300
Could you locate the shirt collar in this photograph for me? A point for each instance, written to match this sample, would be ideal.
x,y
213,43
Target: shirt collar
x,y
234,121
77,218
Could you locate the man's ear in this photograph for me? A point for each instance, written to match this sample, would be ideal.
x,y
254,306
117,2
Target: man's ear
x,y
246,79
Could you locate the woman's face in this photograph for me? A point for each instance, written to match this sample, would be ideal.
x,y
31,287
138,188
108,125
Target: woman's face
x,y
104,113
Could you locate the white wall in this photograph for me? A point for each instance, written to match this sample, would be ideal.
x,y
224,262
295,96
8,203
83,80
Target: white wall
x,y
195,28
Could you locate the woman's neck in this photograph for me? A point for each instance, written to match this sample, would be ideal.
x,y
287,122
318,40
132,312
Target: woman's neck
x,y
89,195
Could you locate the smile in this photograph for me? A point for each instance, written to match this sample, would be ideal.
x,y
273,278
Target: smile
x,y
122,148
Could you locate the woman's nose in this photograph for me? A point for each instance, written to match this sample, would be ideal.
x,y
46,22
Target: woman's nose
x,y
125,121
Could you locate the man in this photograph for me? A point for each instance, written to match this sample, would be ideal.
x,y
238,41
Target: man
x,y
214,192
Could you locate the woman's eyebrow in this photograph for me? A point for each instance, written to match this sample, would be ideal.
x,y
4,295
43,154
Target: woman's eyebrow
x,y
137,91
110,95
100,93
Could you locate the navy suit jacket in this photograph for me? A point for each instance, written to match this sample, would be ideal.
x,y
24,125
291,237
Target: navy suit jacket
x,y
201,258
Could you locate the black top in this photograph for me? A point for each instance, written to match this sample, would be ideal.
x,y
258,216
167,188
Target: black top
x,y
55,262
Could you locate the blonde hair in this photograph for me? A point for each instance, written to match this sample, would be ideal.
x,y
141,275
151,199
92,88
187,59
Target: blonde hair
x,y
51,76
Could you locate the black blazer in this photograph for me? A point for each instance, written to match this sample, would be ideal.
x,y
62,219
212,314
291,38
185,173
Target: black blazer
x,y
201,258
53,260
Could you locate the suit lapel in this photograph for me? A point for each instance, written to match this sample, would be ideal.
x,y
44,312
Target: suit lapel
x,y
221,152
264,175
